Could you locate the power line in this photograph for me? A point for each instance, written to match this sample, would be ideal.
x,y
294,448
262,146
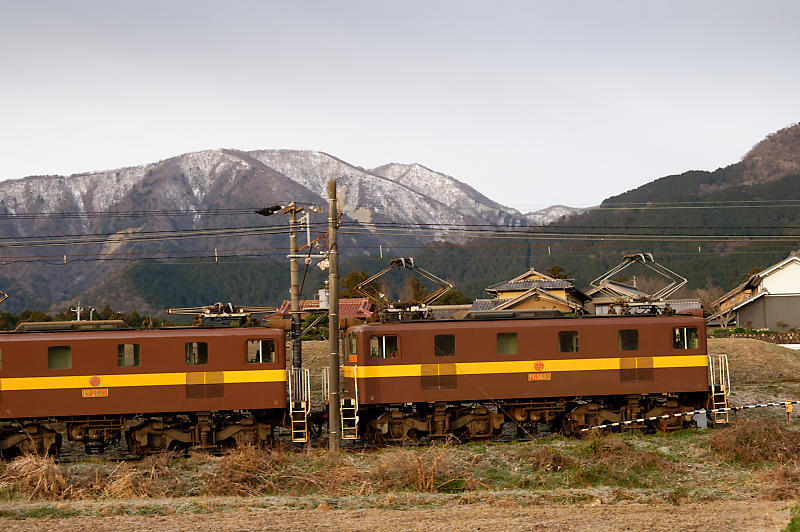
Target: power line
x,y
129,214
177,235
237,211
381,225
318,229
562,249
569,236
556,226
163,231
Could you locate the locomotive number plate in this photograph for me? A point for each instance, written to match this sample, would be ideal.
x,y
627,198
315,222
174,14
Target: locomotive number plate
x,y
539,376
94,392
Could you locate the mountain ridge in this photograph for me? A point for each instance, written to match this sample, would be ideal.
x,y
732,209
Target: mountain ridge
x,y
182,192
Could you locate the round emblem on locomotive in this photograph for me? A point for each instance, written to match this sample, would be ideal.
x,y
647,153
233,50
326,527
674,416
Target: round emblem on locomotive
x,y
538,365
94,381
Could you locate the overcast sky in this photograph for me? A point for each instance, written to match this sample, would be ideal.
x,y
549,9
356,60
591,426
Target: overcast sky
x,y
532,103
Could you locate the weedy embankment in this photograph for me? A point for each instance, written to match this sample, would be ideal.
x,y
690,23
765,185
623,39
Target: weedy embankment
x,y
749,459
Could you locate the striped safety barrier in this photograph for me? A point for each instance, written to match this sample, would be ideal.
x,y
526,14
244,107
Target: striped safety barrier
x,y
690,413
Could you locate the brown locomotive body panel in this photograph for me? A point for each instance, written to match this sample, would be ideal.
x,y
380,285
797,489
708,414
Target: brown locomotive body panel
x,y
95,381
537,365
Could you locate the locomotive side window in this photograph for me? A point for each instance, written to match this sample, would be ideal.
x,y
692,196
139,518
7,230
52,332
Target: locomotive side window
x,y
127,355
685,338
444,345
260,351
196,353
568,341
629,339
59,357
507,343
383,347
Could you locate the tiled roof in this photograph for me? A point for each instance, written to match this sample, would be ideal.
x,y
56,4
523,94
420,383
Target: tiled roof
x,y
683,304
527,285
487,304
447,312
356,307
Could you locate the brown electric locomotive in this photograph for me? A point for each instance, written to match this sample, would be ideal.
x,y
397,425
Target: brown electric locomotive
x,y
476,378
166,388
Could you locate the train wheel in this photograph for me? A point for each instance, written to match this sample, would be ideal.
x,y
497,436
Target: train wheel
x,y
30,439
395,428
412,437
155,437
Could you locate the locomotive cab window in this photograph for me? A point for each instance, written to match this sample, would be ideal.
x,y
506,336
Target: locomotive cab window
x,y
383,347
507,343
352,344
444,345
685,338
196,353
128,355
59,357
260,351
568,341
629,339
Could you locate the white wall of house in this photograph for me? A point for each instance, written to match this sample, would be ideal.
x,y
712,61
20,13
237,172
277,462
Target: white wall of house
x,y
785,280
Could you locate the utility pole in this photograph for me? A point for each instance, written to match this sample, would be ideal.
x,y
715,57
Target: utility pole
x,y
77,310
294,286
334,415
294,277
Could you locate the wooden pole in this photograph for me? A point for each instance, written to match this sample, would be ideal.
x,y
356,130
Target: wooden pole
x,y
294,289
334,412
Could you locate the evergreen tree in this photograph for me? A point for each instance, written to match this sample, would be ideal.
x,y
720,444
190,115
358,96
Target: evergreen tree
x,y
557,272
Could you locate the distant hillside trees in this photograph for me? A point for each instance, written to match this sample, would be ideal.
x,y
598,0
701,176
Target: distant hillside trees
x,y
9,321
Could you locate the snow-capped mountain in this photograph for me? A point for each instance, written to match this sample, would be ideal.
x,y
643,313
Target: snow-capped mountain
x,y
551,214
162,192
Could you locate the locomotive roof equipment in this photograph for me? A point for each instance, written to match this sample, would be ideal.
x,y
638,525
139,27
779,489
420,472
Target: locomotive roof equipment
x,y
221,311
646,259
400,310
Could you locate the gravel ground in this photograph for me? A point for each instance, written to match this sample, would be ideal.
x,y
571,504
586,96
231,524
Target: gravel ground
x,y
723,515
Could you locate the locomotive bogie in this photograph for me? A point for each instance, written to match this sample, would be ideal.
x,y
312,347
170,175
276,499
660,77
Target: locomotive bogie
x,y
203,430
28,438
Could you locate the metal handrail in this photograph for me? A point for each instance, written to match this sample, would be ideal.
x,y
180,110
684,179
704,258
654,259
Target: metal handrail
x,y
325,384
299,386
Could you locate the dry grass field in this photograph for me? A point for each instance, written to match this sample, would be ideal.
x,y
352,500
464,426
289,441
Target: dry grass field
x,y
745,477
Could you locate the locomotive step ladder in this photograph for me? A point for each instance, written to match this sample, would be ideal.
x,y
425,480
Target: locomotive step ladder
x,y
720,383
349,410
299,420
299,403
